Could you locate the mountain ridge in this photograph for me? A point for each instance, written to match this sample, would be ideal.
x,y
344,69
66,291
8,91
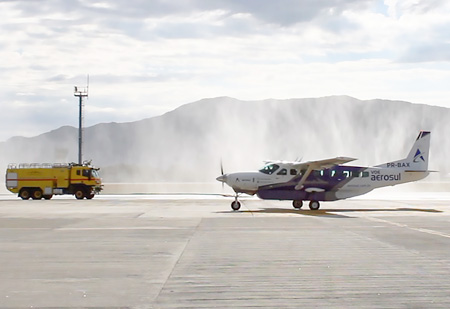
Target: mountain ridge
x,y
188,143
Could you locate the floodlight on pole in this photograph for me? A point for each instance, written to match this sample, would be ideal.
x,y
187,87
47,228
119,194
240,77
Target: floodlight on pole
x,y
81,93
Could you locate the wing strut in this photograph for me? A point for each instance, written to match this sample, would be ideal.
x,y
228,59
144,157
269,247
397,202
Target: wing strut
x,y
299,186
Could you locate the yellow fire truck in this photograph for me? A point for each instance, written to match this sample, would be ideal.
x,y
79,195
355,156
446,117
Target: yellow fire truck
x,y
43,180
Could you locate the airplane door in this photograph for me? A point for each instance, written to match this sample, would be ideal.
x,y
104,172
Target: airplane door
x,y
281,175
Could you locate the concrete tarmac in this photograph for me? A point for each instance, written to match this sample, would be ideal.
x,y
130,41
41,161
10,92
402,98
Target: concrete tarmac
x,y
155,251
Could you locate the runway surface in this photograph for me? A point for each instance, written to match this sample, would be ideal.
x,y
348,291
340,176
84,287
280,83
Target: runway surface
x,y
189,251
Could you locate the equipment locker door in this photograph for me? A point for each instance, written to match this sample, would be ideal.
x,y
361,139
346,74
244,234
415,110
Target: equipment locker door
x,y
11,180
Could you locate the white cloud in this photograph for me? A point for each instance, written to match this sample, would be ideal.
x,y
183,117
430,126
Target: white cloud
x,y
147,57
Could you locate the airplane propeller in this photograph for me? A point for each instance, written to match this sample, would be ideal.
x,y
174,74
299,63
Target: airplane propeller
x,y
222,177
221,172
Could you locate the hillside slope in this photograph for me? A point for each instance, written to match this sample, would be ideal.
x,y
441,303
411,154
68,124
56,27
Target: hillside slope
x,y
188,143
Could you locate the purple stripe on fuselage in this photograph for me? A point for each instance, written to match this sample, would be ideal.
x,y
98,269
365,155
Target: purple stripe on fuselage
x,y
329,180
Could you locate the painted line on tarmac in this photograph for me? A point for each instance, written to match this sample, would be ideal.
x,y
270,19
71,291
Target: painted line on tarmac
x,y
121,228
418,229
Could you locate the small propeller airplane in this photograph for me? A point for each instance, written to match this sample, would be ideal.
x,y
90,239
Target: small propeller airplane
x,y
327,180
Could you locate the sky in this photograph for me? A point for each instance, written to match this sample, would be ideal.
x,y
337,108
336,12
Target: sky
x,y
145,58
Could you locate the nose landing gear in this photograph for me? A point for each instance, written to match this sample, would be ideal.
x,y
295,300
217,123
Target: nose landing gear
x,y
235,205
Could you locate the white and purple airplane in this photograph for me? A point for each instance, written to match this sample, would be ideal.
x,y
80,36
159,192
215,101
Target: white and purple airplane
x,y
327,180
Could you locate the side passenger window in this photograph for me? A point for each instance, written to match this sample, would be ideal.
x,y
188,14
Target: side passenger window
x,y
356,174
282,172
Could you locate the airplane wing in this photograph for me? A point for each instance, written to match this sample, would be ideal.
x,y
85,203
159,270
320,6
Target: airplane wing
x,y
323,164
318,165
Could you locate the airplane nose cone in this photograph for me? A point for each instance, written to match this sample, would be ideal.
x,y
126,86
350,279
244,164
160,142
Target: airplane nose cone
x,y
222,178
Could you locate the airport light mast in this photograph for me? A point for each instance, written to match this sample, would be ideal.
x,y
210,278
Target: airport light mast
x,y
81,93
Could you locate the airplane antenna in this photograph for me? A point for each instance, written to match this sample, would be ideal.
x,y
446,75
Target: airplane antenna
x,y
81,93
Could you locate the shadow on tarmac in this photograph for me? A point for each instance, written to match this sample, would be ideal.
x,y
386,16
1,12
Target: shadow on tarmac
x,y
336,213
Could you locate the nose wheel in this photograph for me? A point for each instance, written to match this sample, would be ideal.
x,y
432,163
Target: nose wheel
x,y
235,205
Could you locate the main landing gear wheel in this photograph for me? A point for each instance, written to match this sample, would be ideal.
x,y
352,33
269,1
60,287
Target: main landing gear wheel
x,y
297,204
314,205
235,205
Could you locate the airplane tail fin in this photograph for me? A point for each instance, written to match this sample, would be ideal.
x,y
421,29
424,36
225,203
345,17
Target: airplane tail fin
x,y
417,159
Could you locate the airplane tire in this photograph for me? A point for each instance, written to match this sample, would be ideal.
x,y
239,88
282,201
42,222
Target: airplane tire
x,y
297,204
314,205
235,205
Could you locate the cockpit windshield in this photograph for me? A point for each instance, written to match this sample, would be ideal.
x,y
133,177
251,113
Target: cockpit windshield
x,y
95,174
269,169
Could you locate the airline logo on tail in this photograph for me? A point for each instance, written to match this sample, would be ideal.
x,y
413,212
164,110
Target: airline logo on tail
x,y
418,156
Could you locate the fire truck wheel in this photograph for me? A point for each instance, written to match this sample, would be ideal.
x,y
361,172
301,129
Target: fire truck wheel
x,y
79,194
90,196
24,194
37,194
47,197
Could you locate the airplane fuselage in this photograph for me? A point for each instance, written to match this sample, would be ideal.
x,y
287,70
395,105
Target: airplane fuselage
x,y
328,180
331,184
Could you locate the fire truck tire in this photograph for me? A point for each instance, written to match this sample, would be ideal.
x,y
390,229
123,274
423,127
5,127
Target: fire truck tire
x,y
37,194
79,194
25,194
47,197
90,196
